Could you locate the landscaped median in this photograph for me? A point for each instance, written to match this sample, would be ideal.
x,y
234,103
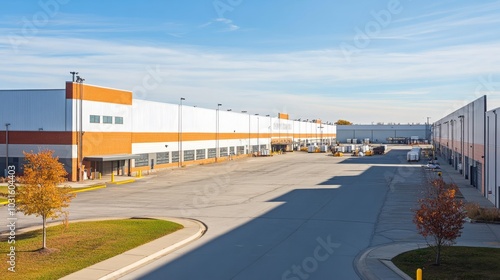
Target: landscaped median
x,y
457,263
78,246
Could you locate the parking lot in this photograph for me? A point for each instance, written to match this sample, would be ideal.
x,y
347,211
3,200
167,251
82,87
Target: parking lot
x,y
294,215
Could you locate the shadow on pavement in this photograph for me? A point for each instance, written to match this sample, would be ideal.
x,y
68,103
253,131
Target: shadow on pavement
x,y
315,233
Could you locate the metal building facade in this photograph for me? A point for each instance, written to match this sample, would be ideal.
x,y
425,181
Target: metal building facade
x,y
460,138
492,159
382,133
95,129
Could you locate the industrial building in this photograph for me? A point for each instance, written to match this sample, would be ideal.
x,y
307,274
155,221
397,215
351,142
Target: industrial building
x,y
384,133
468,139
96,130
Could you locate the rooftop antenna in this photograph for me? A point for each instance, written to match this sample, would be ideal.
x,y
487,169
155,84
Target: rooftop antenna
x,y
73,73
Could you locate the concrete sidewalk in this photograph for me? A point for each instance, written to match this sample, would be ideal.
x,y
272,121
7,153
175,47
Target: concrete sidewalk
x,y
375,262
103,181
121,264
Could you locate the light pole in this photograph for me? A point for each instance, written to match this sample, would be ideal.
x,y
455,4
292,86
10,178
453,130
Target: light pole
x,y
244,112
321,131
80,81
270,134
217,148
427,130
73,74
6,149
258,133
180,132
300,136
461,117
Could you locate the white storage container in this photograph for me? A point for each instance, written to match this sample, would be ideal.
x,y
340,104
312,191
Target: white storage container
x,y
311,149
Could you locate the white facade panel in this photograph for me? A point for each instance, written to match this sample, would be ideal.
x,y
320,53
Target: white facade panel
x,y
102,109
196,119
156,147
149,116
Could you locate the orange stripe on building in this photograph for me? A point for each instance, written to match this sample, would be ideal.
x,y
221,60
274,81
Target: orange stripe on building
x,y
100,143
99,94
283,116
108,143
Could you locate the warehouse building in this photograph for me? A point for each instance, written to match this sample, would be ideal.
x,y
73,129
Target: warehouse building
x,y
384,133
492,159
97,130
468,139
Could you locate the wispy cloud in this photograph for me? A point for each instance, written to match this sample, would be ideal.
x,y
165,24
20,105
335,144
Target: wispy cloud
x,y
430,66
447,25
222,24
304,82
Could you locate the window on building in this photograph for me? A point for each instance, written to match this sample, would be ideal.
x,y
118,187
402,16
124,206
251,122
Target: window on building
x,y
118,120
188,155
107,119
212,153
200,154
240,150
175,156
223,152
143,160
162,158
95,119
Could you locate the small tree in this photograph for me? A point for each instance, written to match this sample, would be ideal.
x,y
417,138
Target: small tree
x,y
440,216
40,194
343,122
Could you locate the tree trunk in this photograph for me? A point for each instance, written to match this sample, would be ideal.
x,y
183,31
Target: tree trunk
x,y
438,255
44,234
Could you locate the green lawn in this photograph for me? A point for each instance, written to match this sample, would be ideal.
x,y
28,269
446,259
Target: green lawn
x,y
79,246
456,263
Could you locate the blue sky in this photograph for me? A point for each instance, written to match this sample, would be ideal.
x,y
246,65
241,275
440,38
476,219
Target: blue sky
x,y
366,61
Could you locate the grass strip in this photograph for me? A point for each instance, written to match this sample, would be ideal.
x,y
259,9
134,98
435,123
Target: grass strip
x,y
80,245
456,263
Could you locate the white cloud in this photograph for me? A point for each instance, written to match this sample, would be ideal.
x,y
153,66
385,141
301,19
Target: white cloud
x,y
222,24
376,86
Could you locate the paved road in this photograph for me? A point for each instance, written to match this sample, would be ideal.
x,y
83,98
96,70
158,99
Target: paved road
x,y
297,216
294,216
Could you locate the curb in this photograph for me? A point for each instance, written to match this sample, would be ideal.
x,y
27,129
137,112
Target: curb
x,y
201,231
85,189
379,256
122,182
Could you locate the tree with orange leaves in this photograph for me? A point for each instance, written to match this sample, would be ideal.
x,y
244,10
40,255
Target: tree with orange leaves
x,y
440,216
343,122
40,194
